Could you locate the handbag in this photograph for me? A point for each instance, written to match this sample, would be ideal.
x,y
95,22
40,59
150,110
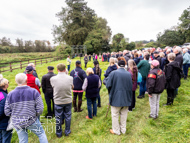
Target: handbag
x,y
139,80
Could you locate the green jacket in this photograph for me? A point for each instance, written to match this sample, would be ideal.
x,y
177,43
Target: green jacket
x,y
143,67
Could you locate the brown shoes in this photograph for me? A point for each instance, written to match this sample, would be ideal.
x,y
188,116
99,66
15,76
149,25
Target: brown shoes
x,y
88,118
111,131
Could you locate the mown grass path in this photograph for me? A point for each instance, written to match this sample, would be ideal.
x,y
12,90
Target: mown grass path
x,y
173,124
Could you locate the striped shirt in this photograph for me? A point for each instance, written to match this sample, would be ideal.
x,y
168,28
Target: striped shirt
x,y
23,104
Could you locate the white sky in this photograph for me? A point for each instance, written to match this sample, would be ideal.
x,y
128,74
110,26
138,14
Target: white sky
x,y
136,19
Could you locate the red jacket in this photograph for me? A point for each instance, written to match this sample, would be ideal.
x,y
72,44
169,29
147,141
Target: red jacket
x,y
31,82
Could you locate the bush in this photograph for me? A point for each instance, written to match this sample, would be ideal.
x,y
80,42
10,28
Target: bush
x,y
63,50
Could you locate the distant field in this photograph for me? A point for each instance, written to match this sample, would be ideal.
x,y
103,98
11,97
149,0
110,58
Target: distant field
x,y
172,126
6,58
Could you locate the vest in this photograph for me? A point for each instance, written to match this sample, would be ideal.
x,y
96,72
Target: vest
x,y
92,89
31,82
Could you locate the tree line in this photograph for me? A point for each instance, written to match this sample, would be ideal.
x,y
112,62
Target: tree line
x,y
22,46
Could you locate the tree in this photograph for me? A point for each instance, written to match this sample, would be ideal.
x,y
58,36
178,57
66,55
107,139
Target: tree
x,y
77,20
5,41
118,41
20,45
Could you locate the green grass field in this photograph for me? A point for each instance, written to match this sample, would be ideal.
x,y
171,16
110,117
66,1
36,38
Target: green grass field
x,y
173,124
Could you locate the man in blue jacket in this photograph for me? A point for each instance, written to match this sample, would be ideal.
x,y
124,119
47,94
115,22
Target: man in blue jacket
x,y
119,86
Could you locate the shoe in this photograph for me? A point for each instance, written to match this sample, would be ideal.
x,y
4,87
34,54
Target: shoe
x,y
58,136
140,96
111,131
74,105
99,106
152,117
88,118
129,110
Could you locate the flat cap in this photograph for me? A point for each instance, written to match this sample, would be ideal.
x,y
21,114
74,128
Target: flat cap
x,y
50,68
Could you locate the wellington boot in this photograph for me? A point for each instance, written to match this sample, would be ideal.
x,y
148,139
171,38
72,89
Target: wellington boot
x,y
79,106
74,105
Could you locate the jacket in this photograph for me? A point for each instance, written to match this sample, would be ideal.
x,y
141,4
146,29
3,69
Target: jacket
x,y
143,68
120,85
110,69
94,69
31,82
179,59
155,81
186,58
46,86
3,118
78,78
137,60
158,58
86,59
134,75
173,75
127,57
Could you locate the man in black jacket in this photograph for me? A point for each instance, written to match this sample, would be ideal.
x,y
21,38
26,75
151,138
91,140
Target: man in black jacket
x,y
48,90
179,57
157,57
155,86
78,75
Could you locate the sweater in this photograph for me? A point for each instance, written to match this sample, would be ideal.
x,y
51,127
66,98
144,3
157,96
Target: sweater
x,y
62,85
143,68
23,104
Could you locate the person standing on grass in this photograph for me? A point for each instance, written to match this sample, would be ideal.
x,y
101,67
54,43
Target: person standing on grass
x,y
5,136
143,67
34,71
98,71
68,63
111,68
132,68
24,104
48,91
78,79
155,86
91,85
186,62
32,81
173,77
119,86
62,85
85,60
89,57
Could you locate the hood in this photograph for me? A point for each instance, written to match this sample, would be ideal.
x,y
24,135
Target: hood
x,y
114,67
175,65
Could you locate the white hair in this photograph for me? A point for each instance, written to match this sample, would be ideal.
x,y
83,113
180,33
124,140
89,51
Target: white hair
x,y
1,76
178,49
20,78
185,50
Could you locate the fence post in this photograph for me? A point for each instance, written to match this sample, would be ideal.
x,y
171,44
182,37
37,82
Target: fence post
x,y
20,64
10,68
41,61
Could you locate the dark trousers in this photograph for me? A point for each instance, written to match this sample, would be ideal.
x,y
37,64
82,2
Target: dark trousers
x,y
143,87
68,68
132,102
85,65
63,111
90,102
5,136
79,94
49,100
185,70
171,94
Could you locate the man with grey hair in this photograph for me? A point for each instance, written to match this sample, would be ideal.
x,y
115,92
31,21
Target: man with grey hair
x,y
186,62
126,55
179,57
62,95
24,105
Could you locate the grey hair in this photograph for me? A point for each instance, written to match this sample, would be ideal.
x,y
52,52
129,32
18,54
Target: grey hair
x,y
31,64
185,50
171,56
20,78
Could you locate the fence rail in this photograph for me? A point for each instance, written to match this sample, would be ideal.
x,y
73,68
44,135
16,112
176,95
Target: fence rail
x,y
22,64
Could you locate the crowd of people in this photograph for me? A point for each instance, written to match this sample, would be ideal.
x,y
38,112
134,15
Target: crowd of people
x,y
152,69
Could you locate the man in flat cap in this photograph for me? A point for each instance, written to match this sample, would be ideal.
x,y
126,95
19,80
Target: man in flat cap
x,y
32,81
48,91
119,86
157,57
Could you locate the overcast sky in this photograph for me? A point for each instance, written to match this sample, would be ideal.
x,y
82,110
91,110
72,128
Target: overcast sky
x,y
136,19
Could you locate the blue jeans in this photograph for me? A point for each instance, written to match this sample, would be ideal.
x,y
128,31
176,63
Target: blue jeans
x,y
68,68
63,111
185,70
91,101
142,87
36,128
5,136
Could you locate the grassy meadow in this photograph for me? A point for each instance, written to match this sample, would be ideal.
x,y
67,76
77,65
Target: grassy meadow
x,y
172,125
13,57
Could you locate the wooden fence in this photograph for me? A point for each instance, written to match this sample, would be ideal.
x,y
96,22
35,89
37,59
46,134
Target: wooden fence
x,y
23,64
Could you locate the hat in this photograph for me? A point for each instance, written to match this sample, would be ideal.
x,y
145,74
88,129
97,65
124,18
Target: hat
x,y
29,68
78,62
121,63
155,63
156,52
50,68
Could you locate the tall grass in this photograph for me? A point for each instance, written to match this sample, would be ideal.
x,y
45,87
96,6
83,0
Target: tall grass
x,y
173,124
